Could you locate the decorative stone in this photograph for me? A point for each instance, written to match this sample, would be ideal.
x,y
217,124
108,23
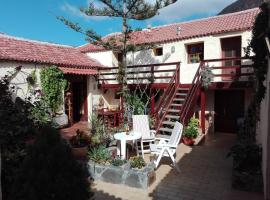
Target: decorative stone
x,y
133,180
112,175
138,178
60,121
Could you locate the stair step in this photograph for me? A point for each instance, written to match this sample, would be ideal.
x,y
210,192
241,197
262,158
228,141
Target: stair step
x,y
183,89
178,99
181,94
172,116
173,110
176,104
168,123
166,129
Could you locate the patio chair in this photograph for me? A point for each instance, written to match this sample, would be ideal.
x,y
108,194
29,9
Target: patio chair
x,y
167,147
141,125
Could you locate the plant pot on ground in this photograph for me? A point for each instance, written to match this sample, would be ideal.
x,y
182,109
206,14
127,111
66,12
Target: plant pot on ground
x,y
79,144
191,132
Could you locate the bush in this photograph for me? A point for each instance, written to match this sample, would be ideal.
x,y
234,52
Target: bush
x,y
49,172
192,130
99,155
15,130
137,162
118,162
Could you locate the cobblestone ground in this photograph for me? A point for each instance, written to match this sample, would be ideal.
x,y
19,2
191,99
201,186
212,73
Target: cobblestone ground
x,y
205,175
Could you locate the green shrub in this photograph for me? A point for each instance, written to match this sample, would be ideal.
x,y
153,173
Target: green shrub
x,y
99,155
50,172
137,162
192,130
118,162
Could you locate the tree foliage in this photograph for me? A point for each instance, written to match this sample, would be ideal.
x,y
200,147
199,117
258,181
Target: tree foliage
x,y
126,10
50,172
15,130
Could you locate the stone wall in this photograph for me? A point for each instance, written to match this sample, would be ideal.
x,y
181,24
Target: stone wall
x,y
138,178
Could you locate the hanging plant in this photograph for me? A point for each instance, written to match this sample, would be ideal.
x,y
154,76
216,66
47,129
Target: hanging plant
x,y
207,76
53,84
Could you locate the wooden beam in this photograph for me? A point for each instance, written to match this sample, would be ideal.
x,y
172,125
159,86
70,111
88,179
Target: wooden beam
x,y
203,110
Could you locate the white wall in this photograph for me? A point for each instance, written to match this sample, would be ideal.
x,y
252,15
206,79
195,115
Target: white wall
x,y
263,137
212,50
19,81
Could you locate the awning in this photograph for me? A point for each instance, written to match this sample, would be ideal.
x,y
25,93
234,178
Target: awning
x,y
79,71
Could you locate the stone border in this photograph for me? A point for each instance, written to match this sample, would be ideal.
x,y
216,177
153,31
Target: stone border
x,y
138,178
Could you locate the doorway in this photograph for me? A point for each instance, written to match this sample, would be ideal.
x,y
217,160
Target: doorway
x,y
229,109
231,48
76,99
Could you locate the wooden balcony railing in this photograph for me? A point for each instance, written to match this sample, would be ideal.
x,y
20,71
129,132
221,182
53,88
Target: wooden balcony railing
x,y
140,73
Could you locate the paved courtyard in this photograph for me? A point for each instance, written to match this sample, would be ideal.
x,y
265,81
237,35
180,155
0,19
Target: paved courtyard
x,y
205,175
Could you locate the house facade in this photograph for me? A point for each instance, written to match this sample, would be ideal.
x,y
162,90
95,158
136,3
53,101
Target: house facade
x,y
181,46
187,44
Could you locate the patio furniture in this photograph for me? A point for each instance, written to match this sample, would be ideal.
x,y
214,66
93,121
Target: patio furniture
x,y
141,125
109,117
167,147
124,137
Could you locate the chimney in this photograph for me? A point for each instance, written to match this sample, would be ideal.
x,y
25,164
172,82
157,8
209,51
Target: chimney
x,y
178,29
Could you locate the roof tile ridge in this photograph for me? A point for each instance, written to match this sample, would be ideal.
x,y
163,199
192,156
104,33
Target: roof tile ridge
x,y
34,41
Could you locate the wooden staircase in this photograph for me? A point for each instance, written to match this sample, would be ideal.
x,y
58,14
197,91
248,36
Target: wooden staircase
x,y
174,109
177,103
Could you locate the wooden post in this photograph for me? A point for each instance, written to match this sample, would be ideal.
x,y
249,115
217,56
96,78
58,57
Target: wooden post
x,y
203,110
152,103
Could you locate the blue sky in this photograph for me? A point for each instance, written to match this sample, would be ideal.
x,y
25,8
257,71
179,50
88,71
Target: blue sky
x,y
36,19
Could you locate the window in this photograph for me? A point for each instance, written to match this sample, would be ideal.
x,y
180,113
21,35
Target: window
x,y
158,51
120,57
195,52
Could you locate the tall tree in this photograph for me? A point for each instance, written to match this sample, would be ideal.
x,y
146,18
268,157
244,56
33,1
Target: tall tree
x,y
126,10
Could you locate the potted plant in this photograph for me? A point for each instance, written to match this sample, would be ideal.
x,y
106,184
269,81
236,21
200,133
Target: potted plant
x,y
191,132
79,144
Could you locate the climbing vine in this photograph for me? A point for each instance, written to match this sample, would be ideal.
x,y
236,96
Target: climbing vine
x,y
53,84
259,47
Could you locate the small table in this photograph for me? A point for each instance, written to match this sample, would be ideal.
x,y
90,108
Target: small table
x,y
123,137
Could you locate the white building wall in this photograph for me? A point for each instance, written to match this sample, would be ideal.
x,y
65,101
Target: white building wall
x,y
176,52
19,81
172,52
263,137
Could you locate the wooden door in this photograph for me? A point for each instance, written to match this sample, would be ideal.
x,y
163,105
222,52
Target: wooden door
x,y
229,107
231,48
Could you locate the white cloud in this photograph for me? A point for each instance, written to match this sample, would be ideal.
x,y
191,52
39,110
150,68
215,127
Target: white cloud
x,y
75,11
187,8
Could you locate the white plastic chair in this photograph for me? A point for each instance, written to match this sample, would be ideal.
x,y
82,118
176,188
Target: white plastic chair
x,y
167,147
141,125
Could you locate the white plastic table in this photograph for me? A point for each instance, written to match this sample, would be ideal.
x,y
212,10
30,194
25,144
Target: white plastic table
x,y
123,137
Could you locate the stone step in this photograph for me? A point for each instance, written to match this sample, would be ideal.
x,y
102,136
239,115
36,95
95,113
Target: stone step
x,y
172,116
168,123
166,129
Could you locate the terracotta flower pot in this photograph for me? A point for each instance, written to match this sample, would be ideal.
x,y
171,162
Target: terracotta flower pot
x,y
79,152
188,141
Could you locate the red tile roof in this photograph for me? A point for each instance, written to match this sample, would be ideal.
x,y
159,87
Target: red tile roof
x,y
239,21
17,49
80,71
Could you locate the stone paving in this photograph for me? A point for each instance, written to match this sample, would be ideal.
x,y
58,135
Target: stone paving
x,y
205,175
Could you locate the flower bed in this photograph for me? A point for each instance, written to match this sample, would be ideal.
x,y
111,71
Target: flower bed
x,y
138,178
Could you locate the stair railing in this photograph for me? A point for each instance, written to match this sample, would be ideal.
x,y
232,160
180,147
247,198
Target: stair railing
x,y
167,98
192,96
